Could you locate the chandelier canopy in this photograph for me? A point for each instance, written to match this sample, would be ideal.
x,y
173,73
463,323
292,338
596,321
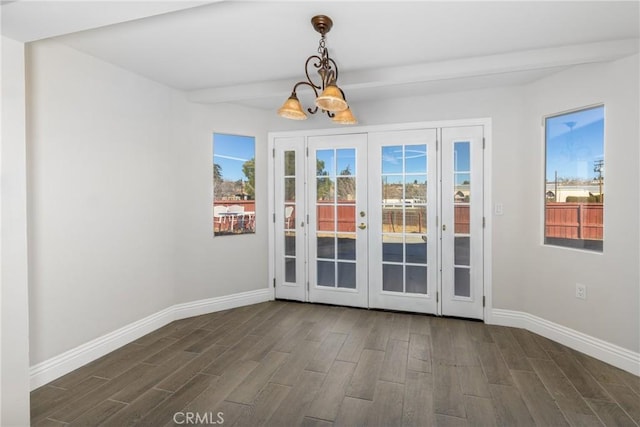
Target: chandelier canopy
x,y
331,99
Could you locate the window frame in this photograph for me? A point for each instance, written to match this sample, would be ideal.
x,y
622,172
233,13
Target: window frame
x,y
591,250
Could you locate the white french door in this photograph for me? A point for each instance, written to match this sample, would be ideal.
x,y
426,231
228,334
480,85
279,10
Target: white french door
x,y
390,220
403,268
337,232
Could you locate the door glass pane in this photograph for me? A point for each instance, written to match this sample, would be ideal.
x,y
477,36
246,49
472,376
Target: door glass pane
x,y
392,189
289,217
325,163
416,249
346,163
289,163
325,189
346,218
392,219
326,246
462,189
346,189
415,158
462,250
416,218
289,190
462,284
346,246
415,189
461,157
326,273
392,159
392,278
392,248
290,270
290,243
416,279
326,217
347,275
462,219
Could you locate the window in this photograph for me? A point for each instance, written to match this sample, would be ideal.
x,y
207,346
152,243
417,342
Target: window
x,y
574,179
234,199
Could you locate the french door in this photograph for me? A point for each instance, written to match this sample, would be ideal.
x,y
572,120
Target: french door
x,y
388,220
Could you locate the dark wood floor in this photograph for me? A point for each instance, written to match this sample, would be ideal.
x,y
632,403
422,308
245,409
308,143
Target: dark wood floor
x,y
288,364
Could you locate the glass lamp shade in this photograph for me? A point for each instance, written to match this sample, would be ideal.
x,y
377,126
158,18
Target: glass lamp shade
x,y
345,117
331,99
291,109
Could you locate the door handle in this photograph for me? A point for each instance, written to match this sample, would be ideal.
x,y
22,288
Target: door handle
x,y
362,226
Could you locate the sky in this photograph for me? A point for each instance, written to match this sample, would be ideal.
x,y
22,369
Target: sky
x,y
574,142
230,152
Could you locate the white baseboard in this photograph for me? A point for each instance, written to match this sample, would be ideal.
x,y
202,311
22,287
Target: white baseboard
x,y
57,366
602,350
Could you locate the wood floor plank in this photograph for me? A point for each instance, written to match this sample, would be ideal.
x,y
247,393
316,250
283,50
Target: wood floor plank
x,y
236,352
314,422
419,358
511,351
249,389
378,336
227,413
463,346
133,389
164,412
541,404
394,365
324,326
473,382
529,345
327,352
600,371
418,400
570,402
448,398
135,411
98,413
346,321
632,381
509,407
356,340
266,403
400,326
290,340
480,411
387,404
180,376
353,412
493,365
420,324
293,409
449,421
628,399
332,392
363,381
586,385
41,409
299,358
442,344
610,413
183,343
73,410
219,390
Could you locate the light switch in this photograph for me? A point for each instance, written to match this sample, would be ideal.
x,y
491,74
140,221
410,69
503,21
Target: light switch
x,y
498,210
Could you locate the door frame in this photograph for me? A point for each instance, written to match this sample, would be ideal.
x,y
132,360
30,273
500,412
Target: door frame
x,y
487,186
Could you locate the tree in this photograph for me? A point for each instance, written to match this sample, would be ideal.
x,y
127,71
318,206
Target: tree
x,y
324,185
249,170
217,181
346,186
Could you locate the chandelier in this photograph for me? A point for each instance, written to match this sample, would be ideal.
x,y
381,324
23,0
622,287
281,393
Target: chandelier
x,y
331,99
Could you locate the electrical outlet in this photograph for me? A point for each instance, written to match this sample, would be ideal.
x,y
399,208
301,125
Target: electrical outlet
x,y
581,291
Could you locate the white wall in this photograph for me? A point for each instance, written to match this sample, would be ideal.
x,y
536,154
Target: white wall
x,y
120,223
14,321
549,274
209,266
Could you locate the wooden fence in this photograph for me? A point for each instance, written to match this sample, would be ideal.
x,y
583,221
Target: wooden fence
x,y
574,220
563,220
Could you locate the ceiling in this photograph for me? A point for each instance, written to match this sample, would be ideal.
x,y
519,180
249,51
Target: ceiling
x,y
251,53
